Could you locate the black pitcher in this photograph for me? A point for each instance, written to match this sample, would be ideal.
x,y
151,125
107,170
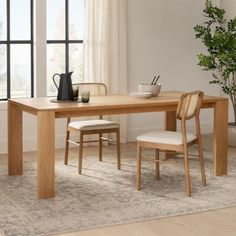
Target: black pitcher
x,y
65,89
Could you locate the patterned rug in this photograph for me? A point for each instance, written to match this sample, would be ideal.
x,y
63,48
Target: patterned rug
x,y
104,196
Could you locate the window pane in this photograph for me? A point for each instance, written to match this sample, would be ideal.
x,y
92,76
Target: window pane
x,y
55,64
3,72
55,19
3,20
76,62
76,19
20,70
20,19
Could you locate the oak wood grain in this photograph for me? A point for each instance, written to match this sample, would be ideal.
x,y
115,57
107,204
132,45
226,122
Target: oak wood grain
x,y
46,154
220,139
15,146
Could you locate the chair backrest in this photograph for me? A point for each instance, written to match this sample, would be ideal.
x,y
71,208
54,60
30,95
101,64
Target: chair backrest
x,y
94,88
189,105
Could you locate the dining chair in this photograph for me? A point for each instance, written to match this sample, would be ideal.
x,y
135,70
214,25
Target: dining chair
x,y
91,127
175,142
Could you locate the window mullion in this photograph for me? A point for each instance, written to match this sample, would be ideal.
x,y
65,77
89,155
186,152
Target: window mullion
x,y
67,35
61,57
32,45
9,42
8,52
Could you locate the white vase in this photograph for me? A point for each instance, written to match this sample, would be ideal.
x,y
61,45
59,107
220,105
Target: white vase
x,y
232,134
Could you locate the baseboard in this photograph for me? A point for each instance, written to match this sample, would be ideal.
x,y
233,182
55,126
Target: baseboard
x,y
30,143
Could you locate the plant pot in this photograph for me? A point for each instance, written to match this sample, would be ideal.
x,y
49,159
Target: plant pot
x,y
232,134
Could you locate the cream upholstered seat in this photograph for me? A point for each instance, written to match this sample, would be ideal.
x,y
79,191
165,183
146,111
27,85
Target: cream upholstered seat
x,y
88,127
188,108
165,137
92,124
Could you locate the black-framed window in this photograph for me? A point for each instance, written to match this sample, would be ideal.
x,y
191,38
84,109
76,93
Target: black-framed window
x,y
65,27
16,49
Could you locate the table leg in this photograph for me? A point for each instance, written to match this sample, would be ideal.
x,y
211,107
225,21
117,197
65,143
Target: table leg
x,y
15,146
170,120
46,154
220,139
170,124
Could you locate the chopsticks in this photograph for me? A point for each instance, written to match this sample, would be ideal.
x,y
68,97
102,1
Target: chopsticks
x,y
155,79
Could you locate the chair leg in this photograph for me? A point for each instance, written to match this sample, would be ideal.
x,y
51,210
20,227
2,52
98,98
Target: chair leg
x,y
67,143
80,152
201,160
157,164
138,174
186,170
118,148
67,147
100,147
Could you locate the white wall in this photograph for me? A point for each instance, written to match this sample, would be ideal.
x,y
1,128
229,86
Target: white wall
x,y
161,41
230,7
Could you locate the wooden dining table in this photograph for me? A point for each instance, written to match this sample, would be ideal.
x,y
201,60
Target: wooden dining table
x,y
47,111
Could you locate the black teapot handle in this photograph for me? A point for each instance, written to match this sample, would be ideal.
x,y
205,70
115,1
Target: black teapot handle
x,y
53,78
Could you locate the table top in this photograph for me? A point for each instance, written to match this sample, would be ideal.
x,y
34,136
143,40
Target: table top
x,y
109,104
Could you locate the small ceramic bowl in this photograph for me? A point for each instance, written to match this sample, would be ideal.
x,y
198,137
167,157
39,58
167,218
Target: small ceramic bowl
x,y
154,89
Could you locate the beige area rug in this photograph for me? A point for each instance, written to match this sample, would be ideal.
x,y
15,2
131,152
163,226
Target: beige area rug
x,y
104,196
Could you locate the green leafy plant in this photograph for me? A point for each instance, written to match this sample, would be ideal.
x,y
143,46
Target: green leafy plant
x,y
219,37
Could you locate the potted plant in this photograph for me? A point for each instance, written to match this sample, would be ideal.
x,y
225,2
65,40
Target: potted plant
x,y
219,37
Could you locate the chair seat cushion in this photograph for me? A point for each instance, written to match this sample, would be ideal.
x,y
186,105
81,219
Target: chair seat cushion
x,y
165,137
92,125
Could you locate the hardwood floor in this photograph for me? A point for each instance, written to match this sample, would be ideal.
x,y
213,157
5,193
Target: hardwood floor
x,y
217,223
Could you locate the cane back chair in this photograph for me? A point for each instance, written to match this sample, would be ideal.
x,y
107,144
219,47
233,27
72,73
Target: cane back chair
x,y
89,127
177,142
